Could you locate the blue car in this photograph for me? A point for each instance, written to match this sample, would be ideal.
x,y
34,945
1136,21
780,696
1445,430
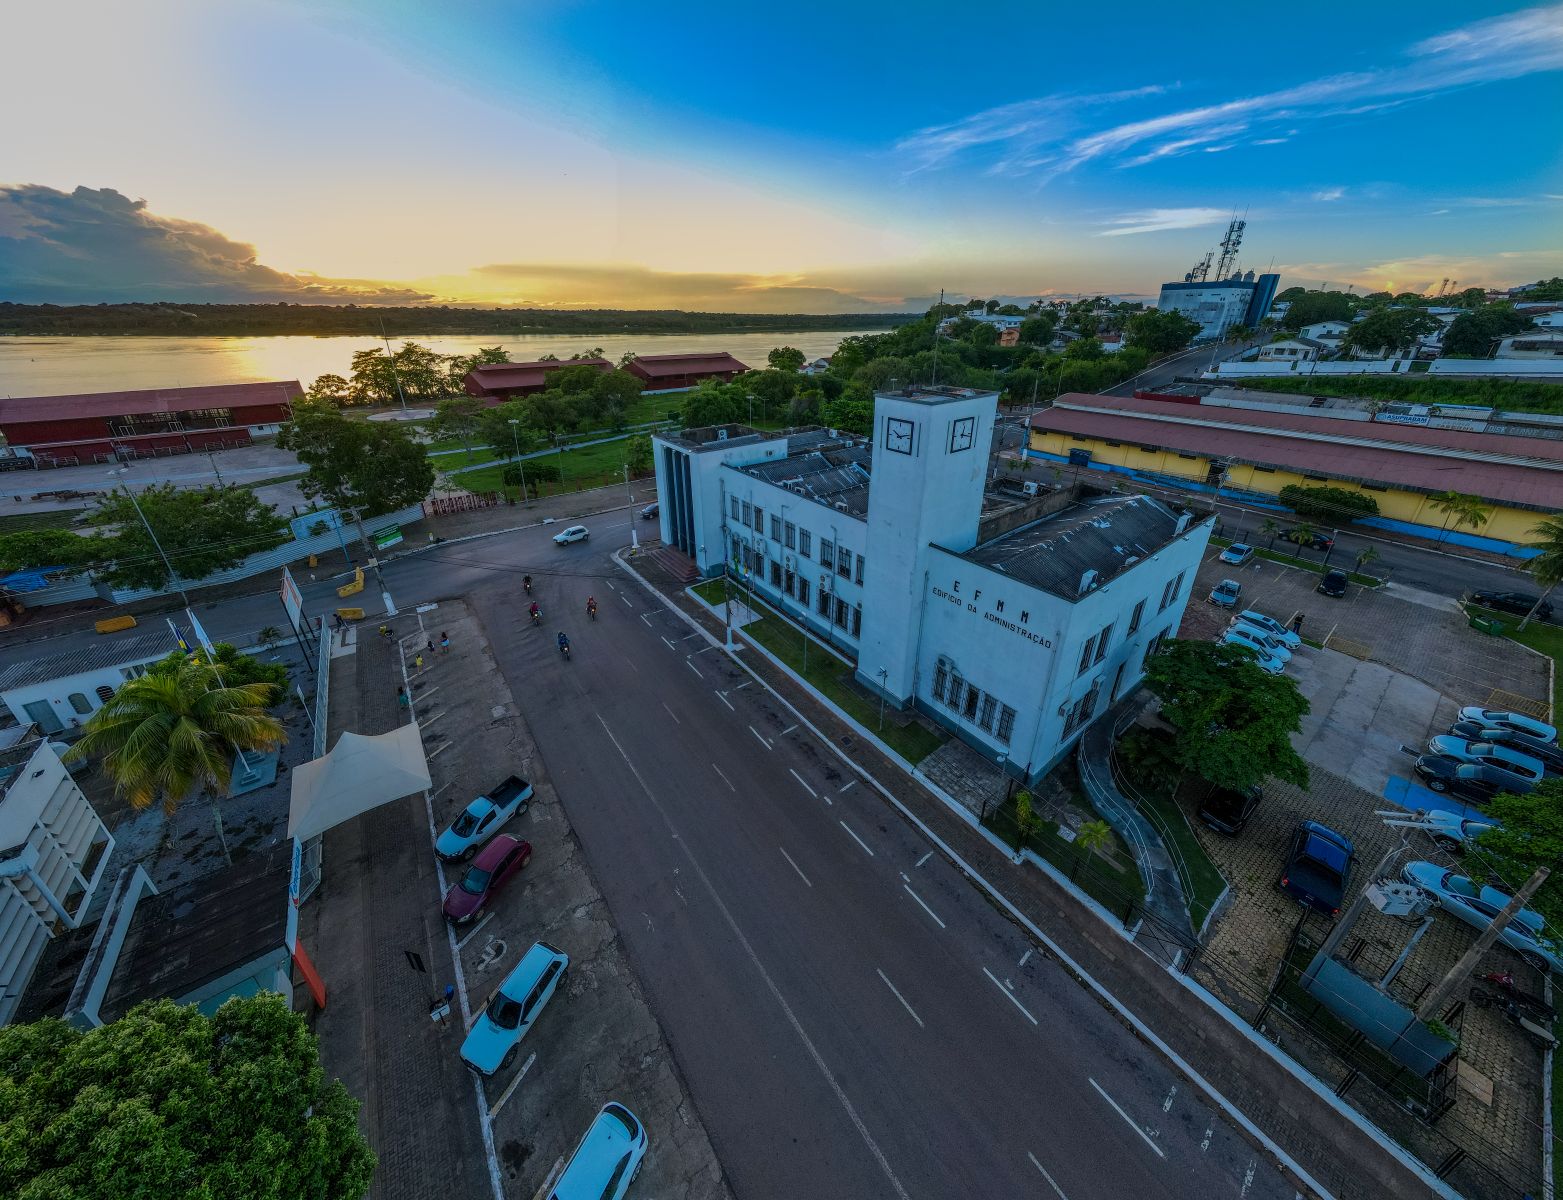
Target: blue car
x,y
1316,868
1478,905
1237,553
1224,594
494,1038
483,818
607,1160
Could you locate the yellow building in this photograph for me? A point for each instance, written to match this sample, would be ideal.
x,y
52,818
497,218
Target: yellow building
x,y
1249,455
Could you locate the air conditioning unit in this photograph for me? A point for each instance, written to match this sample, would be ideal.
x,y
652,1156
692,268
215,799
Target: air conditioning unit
x,y
1395,898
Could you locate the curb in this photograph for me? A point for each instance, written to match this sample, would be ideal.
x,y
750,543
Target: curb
x,y
1412,1164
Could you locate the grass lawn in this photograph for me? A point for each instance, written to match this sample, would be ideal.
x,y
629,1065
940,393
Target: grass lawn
x,y
1280,556
1543,638
826,673
460,456
55,518
1116,888
567,471
1203,882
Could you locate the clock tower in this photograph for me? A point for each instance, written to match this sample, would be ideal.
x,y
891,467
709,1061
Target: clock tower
x,y
930,448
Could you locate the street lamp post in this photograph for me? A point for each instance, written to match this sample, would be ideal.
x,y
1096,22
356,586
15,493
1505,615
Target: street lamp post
x,y
634,537
884,686
173,576
515,440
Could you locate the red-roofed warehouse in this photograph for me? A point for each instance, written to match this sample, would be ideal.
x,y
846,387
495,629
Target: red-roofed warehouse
x,y
674,372
498,382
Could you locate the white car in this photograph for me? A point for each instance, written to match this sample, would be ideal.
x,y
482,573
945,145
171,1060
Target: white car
x,y
1452,830
575,533
1269,626
1262,643
492,1041
481,819
1518,722
1477,906
1263,659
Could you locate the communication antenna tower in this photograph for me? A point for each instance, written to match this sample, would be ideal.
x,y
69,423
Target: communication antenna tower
x,y
1229,247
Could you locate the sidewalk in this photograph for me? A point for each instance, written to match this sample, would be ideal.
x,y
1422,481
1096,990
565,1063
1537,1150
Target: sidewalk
x,y
1343,1159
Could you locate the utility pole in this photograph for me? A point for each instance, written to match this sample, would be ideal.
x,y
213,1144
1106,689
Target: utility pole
x,y
391,358
515,440
1461,971
374,561
634,537
173,577
1343,926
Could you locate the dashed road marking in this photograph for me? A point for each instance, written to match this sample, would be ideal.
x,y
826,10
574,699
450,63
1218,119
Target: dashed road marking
x,y
795,866
759,737
628,602
924,904
1145,1137
723,698
669,644
847,786
1053,1183
1024,957
671,713
1008,995
646,619
693,668
514,1083
901,998
725,779
857,839
921,860
786,731
804,782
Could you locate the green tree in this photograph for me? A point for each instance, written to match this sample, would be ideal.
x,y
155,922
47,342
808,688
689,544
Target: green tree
x,y
1038,330
1474,334
243,669
504,439
637,455
372,378
201,530
332,389
715,403
785,358
1546,289
1332,505
852,412
554,412
773,389
1232,722
46,548
1389,329
1366,556
1028,822
981,334
1460,509
1312,307
1546,568
420,371
458,417
371,466
1084,348
1160,332
1530,836
1471,297
1270,527
169,1102
1094,836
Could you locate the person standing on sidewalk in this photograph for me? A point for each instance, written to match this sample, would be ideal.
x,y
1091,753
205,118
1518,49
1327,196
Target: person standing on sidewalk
x,y
401,698
444,643
417,661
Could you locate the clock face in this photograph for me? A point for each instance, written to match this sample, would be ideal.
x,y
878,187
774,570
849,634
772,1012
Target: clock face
x,y
898,435
962,434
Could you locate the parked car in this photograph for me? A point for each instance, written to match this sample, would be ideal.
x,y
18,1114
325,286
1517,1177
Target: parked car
x,y
1477,906
1518,603
490,871
1226,810
1452,830
1333,583
1237,553
1549,754
1306,538
607,1160
1269,626
494,1038
1263,643
1225,593
1474,783
575,533
1263,659
649,513
1503,719
1502,757
482,818
1317,865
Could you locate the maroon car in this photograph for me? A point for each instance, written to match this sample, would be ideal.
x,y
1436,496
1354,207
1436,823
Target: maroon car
x,y
489,872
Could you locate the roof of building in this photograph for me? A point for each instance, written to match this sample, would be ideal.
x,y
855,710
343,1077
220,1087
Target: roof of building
x,y
1507,469
1199,285
936,393
504,376
835,473
1107,535
199,931
20,409
712,362
1311,343
94,656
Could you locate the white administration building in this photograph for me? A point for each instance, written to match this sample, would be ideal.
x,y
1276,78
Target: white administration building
x,y
1011,624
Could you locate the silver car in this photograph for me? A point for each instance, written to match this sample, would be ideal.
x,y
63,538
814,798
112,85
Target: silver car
x,y
1477,906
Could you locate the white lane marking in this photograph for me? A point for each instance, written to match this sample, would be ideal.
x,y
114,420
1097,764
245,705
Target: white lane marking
x,y
1025,957
630,603
1127,1118
847,787
725,779
804,782
925,858
702,650
671,713
693,668
514,1084
795,866
723,698
646,619
857,839
743,685
692,635
786,731
1248,1178
474,930
1008,996
901,998
611,586
1166,1105
1204,1142
920,900
797,1026
669,644
1053,1183
760,739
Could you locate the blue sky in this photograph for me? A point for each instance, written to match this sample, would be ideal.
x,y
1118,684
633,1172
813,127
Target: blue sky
x,y
806,157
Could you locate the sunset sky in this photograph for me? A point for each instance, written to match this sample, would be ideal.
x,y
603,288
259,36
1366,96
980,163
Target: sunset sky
x,y
802,157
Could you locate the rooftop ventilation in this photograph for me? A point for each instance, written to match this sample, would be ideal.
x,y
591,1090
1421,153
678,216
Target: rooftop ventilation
x,y
1087,581
1183,522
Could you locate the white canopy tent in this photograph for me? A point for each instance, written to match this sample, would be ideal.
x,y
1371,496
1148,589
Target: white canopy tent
x,y
358,774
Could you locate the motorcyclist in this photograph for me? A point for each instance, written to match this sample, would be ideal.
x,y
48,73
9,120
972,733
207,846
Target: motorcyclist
x,y
526,582
564,643
591,607
536,613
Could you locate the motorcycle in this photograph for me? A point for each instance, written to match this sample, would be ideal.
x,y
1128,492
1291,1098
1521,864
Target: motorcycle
x,y
537,616
1511,1009
1533,1004
527,584
591,611
564,649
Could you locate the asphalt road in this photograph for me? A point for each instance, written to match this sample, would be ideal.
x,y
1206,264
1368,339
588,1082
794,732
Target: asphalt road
x,y
852,1019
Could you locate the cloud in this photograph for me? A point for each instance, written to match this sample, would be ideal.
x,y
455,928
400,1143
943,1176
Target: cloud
x,y
1271,141
1040,135
1328,194
95,244
1153,219
1424,273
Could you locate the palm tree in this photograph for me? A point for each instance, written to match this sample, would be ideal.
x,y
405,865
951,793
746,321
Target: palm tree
x,y
1365,556
1271,527
175,730
1093,836
1300,536
1547,567
1461,509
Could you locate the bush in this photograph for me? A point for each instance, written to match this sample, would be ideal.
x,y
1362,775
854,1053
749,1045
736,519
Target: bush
x,y
1328,504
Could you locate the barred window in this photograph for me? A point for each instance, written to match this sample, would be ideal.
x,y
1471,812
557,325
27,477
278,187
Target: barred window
x,y
857,620
941,676
824,603
805,538
1006,723
858,578
843,562
775,528
985,718
790,535
759,519
803,591
827,553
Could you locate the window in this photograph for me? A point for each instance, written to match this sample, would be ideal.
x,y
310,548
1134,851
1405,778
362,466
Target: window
x,y
1102,640
789,535
985,718
1151,647
1006,723
824,603
775,528
972,698
857,620
789,582
803,592
1170,592
105,693
775,573
1190,457
827,553
1134,618
1086,651
734,500
804,538
858,577
957,690
1318,478
843,562
941,677
759,519
80,703
1264,470
746,512
843,617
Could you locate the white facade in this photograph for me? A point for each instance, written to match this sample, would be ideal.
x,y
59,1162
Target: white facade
x,y
893,574
61,691
1326,331
1290,350
1550,320
1217,307
53,851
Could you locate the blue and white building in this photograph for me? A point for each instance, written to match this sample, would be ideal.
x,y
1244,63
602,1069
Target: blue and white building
x,y
1218,305
1010,623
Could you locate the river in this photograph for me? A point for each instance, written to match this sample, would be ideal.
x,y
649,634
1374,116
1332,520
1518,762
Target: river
x,y
63,366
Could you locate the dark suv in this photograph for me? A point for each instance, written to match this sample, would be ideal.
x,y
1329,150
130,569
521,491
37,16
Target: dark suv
x,y
1317,864
1307,539
1518,603
1474,783
1333,583
1227,811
